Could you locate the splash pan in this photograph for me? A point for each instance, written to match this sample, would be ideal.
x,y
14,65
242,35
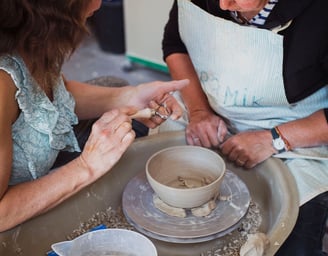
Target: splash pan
x,y
270,185
141,212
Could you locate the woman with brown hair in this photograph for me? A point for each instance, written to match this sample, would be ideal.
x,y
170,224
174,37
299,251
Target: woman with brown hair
x,y
38,108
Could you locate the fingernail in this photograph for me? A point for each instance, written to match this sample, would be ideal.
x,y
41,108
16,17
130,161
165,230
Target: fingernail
x,y
220,136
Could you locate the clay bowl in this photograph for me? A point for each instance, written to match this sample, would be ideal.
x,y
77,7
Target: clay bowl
x,y
185,176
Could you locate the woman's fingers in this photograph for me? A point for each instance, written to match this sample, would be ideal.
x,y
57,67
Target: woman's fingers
x,y
110,137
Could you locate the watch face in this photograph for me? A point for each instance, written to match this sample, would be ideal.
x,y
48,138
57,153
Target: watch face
x,y
278,144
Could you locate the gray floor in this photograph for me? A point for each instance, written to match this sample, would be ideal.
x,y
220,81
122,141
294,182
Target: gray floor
x,y
89,62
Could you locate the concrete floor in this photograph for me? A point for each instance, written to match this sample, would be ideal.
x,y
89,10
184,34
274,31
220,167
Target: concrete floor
x,y
89,62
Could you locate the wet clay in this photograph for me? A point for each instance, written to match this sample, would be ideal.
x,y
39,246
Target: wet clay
x,y
169,210
204,210
255,245
201,211
191,182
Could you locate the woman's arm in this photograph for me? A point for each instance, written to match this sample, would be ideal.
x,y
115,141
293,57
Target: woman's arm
x,y
92,101
181,67
110,137
26,200
8,114
205,128
307,132
253,147
18,203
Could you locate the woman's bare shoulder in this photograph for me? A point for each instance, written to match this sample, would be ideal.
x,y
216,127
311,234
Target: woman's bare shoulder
x,y
8,105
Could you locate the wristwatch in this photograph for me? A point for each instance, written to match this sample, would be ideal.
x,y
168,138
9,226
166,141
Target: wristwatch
x,y
277,141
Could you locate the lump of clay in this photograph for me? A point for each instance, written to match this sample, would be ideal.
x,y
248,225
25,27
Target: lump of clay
x,y
255,245
204,210
168,209
193,182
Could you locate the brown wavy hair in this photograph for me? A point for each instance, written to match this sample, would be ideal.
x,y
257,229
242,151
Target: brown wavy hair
x,y
46,31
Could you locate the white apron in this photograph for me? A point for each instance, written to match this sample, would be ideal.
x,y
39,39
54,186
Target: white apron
x,y
240,69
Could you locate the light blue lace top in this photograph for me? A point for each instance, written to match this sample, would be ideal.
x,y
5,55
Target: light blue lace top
x,y
43,128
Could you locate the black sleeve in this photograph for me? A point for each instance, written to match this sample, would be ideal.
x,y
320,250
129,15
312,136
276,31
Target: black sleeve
x,y
172,42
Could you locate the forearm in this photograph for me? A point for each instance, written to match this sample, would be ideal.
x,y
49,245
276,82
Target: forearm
x,y
307,132
180,67
92,101
26,200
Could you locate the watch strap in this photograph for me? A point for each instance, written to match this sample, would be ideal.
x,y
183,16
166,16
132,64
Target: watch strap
x,y
287,144
274,133
276,136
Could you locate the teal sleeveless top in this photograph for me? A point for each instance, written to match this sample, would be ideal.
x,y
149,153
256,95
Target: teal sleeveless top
x,y
43,127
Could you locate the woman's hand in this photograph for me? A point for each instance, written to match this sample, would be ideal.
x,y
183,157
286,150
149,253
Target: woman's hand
x,y
248,149
157,95
205,129
110,137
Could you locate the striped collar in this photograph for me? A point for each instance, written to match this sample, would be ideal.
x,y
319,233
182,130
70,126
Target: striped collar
x,y
259,19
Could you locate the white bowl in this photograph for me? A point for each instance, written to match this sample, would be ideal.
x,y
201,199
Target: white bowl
x,y
112,241
176,174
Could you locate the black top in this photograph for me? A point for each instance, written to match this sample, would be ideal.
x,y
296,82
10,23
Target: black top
x,y
305,64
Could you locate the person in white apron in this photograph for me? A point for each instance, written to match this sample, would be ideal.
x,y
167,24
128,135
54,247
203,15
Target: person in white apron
x,y
259,76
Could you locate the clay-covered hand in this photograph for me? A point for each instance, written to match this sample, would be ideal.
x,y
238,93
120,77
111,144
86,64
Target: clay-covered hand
x,y
157,96
249,148
110,136
205,129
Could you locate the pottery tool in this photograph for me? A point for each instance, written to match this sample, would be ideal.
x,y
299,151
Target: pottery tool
x,y
144,113
148,113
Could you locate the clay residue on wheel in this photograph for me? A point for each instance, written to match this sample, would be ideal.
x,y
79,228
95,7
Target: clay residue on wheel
x,y
201,211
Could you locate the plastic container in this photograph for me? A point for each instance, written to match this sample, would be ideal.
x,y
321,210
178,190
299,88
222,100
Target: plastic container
x,y
114,241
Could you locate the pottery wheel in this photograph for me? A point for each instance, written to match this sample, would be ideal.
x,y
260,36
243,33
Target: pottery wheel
x,y
139,210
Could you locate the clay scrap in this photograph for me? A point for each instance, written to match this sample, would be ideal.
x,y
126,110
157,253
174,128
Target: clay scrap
x,y
168,209
255,245
201,211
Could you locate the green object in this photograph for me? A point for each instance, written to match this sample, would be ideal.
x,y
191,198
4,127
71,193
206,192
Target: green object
x,y
148,63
